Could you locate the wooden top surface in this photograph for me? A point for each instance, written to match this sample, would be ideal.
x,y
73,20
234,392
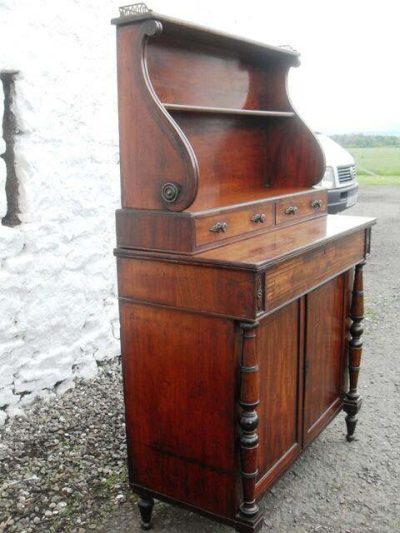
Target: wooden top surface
x,y
269,248
202,33
240,199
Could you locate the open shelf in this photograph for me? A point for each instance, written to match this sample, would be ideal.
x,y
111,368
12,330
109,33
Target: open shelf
x,y
231,199
226,111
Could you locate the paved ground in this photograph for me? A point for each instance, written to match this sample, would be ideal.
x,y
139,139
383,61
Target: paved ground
x,y
62,467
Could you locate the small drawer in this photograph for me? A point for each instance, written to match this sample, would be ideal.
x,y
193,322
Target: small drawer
x,y
299,207
230,224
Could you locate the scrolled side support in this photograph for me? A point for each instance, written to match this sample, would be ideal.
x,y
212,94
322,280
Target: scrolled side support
x,y
163,175
186,185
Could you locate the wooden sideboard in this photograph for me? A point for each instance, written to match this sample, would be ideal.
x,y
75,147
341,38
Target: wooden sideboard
x,y
241,300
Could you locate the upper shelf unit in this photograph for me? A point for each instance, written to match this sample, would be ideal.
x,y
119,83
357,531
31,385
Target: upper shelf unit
x,y
203,115
205,35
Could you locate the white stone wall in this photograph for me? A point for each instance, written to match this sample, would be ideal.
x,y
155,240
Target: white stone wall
x,y
58,307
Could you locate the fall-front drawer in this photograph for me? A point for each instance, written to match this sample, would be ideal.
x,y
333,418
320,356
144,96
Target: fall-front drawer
x,y
300,207
291,278
229,224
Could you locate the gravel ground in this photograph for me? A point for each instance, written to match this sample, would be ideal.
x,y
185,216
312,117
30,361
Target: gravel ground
x,y
63,466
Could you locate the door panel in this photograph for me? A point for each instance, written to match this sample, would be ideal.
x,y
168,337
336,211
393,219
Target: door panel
x,y
179,403
279,356
323,355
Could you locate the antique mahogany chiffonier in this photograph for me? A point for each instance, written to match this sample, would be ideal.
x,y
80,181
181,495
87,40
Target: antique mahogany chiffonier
x,y
241,300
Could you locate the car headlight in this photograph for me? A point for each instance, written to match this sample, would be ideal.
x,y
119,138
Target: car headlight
x,y
328,181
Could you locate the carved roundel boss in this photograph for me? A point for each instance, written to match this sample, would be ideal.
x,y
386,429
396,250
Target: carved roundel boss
x,y
170,192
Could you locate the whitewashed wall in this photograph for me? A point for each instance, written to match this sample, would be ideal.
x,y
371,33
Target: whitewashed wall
x,y
58,307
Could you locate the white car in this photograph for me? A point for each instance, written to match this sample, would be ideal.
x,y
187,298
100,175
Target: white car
x,y
340,176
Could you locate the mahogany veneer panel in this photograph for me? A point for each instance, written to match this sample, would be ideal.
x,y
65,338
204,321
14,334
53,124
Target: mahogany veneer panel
x,y
169,449
280,366
325,354
218,77
238,154
154,230
296,276
230,151
188,287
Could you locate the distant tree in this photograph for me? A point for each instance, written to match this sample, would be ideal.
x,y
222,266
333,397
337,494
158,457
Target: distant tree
x,y
360,140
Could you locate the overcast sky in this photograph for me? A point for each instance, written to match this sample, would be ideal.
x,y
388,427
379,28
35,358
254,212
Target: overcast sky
x,y
349,78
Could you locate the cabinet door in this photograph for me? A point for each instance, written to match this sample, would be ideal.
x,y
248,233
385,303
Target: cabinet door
x,y
326,309
179,374
279,348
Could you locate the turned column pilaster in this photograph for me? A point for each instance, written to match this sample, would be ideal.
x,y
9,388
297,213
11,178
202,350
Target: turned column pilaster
x,y
352,402
248,422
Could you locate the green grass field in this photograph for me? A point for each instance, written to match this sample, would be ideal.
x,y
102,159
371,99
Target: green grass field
x,y
378,165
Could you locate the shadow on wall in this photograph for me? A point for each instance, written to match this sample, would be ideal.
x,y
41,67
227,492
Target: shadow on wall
x,y
10,209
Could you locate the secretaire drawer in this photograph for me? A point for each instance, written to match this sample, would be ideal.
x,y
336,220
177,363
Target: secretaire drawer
x,y
299,207
231,224
296,276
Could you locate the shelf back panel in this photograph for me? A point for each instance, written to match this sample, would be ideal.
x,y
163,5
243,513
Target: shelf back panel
x,y
237,155
231,154
192,73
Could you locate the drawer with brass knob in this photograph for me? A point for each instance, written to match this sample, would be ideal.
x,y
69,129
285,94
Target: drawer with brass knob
x,y
309,205
189,233
233,223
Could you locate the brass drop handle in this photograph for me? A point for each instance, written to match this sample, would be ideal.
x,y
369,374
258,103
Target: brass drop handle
x,y
219,227
316,204
259,218
291,210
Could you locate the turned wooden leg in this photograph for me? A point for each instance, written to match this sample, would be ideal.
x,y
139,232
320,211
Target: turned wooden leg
x,y
146,504
249,399
352,402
